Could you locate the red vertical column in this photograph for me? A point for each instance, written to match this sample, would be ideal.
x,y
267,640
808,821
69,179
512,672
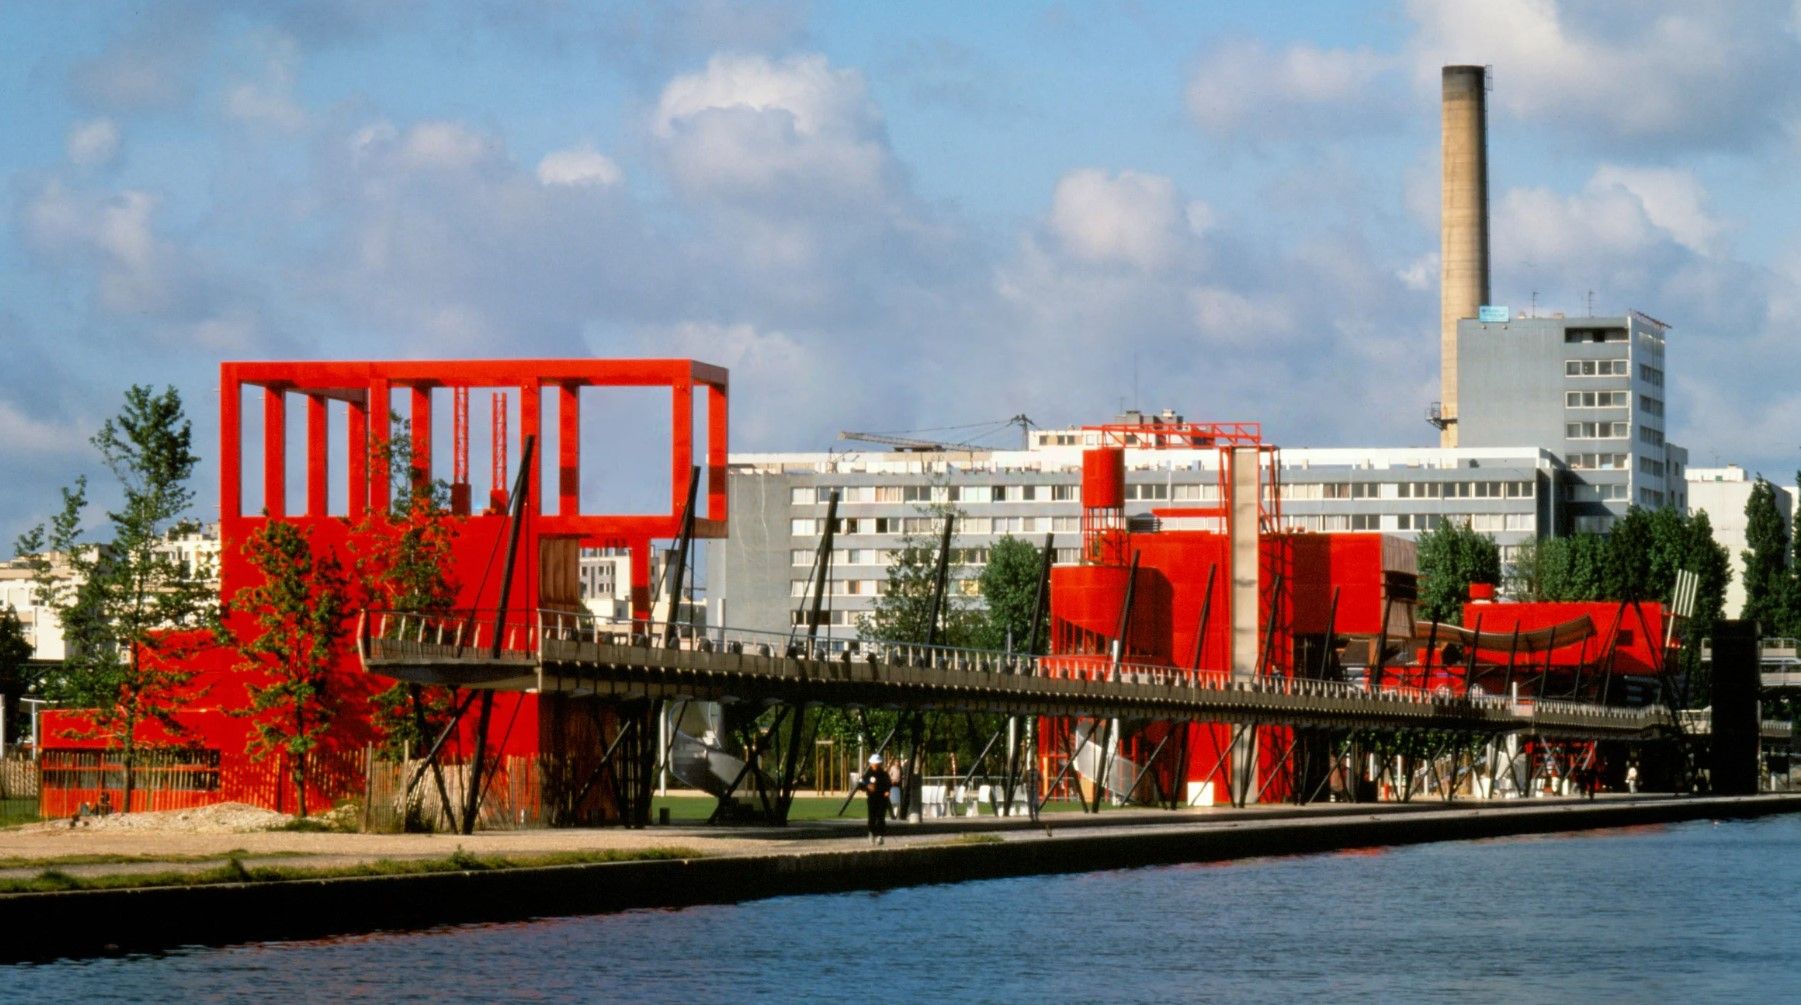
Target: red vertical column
x,y
381,430
531,423
420,417
569,450
356,441
275,452
231,470
640,549
716,452
681,440
318,457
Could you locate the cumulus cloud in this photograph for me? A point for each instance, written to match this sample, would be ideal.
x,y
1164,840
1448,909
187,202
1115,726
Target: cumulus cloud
x,y
1664,75
810,376
93,143
1674,199
1129,218
138,274
269,100
747,126
1245,85
578,166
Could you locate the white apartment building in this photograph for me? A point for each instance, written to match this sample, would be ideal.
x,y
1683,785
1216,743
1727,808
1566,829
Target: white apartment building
x,y
757,577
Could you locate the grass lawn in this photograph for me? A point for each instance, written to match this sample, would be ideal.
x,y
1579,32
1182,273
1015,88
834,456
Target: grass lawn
x,y
694,809
18,811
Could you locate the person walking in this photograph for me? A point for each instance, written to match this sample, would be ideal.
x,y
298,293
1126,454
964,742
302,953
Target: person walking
x,y
1631,778
874,784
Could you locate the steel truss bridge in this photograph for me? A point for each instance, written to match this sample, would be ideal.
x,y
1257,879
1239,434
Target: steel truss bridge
x,y
634,665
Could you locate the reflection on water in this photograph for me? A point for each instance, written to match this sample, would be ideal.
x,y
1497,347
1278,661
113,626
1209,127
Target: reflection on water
x,y
1688,912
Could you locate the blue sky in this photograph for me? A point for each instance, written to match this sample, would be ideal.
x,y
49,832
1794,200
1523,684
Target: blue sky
x,y
884,216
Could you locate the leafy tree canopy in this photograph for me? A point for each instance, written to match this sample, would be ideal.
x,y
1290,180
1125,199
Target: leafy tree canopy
x,y
1451,557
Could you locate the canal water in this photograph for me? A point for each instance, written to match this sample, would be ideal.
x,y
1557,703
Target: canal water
x,y
1689,912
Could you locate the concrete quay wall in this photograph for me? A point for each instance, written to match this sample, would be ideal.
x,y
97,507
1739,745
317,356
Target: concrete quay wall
x,y
82,923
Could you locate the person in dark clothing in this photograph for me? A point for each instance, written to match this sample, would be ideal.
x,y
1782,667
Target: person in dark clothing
x,y
874,784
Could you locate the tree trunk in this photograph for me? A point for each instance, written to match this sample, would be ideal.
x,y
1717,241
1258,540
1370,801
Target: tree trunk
x,y
300,783
130,761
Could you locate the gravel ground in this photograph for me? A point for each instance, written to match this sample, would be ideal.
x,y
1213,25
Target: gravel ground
x,y
236,828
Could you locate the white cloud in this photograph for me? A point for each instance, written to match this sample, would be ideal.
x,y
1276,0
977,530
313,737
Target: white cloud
x,y
749,127
1661,74
809,379
28,434
1421,274
270,100
582,166
1674,199
94,143
1245,85
1226,316
445,145
1130,217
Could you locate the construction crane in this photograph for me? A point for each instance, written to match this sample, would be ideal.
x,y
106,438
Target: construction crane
x,y
912,444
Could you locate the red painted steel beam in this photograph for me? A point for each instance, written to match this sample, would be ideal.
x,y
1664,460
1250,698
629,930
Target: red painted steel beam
x,y
531,418
381,402
231,469
716,454
275,452
419,414
569,450
318,458
356,440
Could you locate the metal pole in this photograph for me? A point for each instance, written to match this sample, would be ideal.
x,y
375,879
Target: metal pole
x,y
1041,599
822,580
1200,632
680,572
515,517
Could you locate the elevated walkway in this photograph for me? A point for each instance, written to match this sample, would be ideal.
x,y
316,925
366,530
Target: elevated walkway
x,y
554,651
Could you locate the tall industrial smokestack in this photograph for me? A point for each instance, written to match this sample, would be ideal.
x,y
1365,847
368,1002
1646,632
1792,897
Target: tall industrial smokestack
x,y
1463,236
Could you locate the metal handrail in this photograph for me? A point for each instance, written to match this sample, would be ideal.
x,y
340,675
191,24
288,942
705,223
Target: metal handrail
x,y
470,634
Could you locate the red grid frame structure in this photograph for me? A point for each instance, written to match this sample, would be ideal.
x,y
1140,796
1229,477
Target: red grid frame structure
x,y
367,388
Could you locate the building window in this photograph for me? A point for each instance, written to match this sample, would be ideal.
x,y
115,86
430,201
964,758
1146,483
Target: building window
x,y
1595,368
1596,399
1063,493
1650,375
1595,430
1650,405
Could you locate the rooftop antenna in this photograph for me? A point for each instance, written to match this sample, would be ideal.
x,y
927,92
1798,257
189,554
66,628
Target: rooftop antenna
x,y
1591,303
1534,311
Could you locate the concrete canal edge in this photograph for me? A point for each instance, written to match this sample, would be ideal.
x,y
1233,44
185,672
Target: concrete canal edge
x,y
83,923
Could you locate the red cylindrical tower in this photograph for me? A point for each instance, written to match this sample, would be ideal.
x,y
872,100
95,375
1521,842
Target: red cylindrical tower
x,y
1104,506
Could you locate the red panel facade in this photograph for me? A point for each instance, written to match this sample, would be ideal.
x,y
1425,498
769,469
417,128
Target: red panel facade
x,y
211,709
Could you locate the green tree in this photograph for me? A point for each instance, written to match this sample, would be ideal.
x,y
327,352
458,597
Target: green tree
x,y
404,558
1451,557
1767,588
15,657
1626,558
1571,568
1009,584
291,629
1711,563
903,610
132,612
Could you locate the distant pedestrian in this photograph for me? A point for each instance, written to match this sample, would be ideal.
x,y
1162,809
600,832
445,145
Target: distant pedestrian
x,y
874,784
1631,778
